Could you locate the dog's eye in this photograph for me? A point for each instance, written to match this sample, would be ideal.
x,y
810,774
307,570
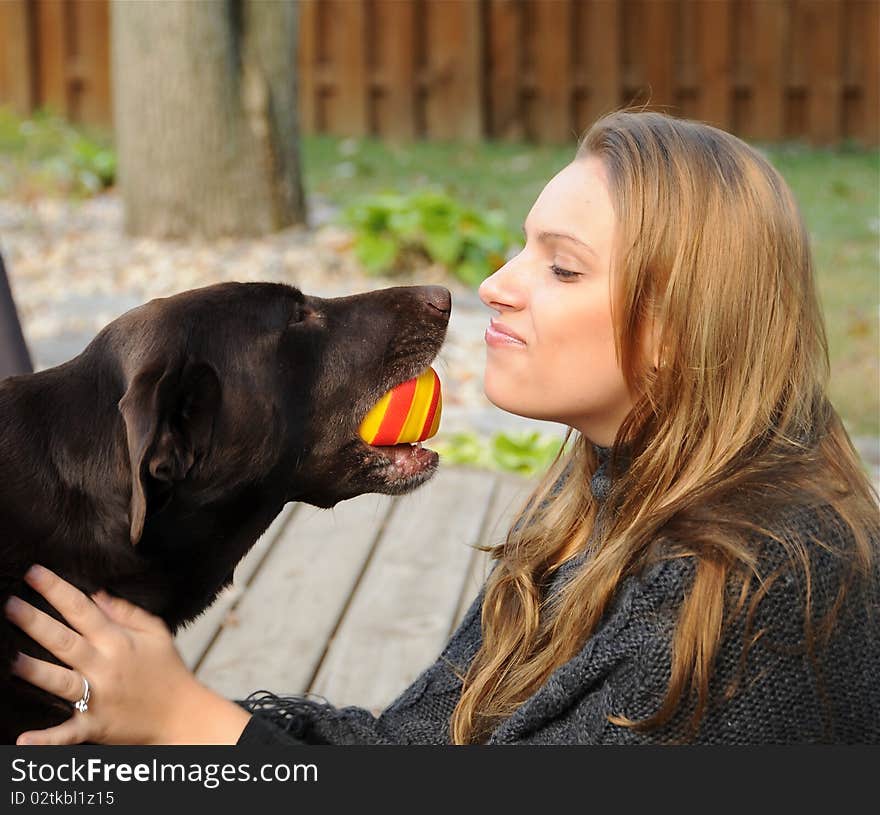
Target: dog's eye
x,y
301,313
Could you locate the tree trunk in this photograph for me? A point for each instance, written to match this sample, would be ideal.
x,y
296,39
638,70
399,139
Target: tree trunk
x,y
206,116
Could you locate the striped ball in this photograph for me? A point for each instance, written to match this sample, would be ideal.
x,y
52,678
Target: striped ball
x,y
407,414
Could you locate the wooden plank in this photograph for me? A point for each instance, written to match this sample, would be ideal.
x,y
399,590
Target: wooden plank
x,y
395,26
870,74
400,616
797,74
508,498
293,604
714,60
686,73
51,16
852,53
348,114
307,56
768,75
553,71
658,45
505,41
194,640
860,70
603,42
91,70
17,65
825,101
454,76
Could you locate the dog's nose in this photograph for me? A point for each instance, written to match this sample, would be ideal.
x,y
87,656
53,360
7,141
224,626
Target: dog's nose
x,y
438,297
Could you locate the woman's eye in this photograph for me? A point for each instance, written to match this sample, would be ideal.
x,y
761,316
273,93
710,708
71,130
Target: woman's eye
x,y
563,274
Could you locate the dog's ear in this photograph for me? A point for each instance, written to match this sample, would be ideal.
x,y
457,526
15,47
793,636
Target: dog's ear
x,y
169,413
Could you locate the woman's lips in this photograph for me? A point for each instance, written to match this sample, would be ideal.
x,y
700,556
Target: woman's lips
x,y
499,335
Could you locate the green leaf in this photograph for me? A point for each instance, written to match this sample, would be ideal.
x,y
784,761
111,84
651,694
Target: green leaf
x,y
443,245
464,448
407,223
473,272
376,252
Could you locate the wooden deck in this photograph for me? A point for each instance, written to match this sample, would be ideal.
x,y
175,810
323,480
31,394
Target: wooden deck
x,y
353,603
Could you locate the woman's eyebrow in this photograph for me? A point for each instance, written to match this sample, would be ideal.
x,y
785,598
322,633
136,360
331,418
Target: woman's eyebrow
x,y
545,236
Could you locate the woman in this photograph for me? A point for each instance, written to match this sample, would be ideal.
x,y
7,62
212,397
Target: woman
x,y
700,563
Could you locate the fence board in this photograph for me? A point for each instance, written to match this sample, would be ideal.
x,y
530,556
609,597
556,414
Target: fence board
x,y
514,69
348,111
91,79
793,13
767,75
395,64
454,76
657,47
51,19
603,44
860,70
16,56
825,99
870,75
307,58
504,38
553,71
714,59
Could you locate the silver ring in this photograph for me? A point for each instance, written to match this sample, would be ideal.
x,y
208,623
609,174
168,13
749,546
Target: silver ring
x,y
83,704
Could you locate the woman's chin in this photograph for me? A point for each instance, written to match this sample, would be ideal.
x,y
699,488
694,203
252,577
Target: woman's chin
x,y
500,397
509,403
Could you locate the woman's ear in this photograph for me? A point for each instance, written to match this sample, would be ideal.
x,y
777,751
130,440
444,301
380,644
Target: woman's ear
x,y
169,412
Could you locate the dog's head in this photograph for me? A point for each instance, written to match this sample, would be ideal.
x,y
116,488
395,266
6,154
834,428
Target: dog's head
x,y
254,386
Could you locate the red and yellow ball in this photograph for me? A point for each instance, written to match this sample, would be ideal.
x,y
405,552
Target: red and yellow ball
x,y
409,413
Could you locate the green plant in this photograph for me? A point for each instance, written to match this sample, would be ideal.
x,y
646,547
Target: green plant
x,y
523,453
52,155
391,228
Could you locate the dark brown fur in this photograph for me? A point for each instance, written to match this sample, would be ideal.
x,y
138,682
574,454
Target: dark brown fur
x,y
149,464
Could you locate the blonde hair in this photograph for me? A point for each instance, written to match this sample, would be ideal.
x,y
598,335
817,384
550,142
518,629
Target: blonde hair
x,y
733,427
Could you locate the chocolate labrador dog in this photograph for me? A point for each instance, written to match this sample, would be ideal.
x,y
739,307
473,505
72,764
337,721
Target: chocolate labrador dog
x,y
149,464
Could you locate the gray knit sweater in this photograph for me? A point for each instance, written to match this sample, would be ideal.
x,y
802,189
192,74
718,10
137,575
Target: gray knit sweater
x,y
624,669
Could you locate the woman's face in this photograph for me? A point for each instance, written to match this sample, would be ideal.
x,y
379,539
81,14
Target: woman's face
x,y
555,297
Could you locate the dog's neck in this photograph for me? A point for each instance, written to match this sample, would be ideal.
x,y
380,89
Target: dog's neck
x,y
60,449
66,498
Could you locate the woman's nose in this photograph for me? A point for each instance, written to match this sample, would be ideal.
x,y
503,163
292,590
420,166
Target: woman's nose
x,y
503,289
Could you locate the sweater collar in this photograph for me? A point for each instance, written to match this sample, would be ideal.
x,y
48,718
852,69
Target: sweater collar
x,y
600,483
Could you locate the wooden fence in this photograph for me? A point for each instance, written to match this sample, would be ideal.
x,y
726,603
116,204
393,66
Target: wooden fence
x,y
538,70
56,53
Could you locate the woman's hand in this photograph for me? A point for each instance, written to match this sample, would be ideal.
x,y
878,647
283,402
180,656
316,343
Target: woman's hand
x,y
141,692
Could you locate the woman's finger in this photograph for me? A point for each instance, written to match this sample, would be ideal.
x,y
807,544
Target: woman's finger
x,y
73,731
53,635
75,606
54,679
128,614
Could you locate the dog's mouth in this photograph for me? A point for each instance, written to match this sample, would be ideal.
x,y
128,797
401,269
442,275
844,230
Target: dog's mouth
x,y
403,467
400,467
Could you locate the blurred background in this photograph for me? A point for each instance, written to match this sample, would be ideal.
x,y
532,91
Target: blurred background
x,y
342,145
